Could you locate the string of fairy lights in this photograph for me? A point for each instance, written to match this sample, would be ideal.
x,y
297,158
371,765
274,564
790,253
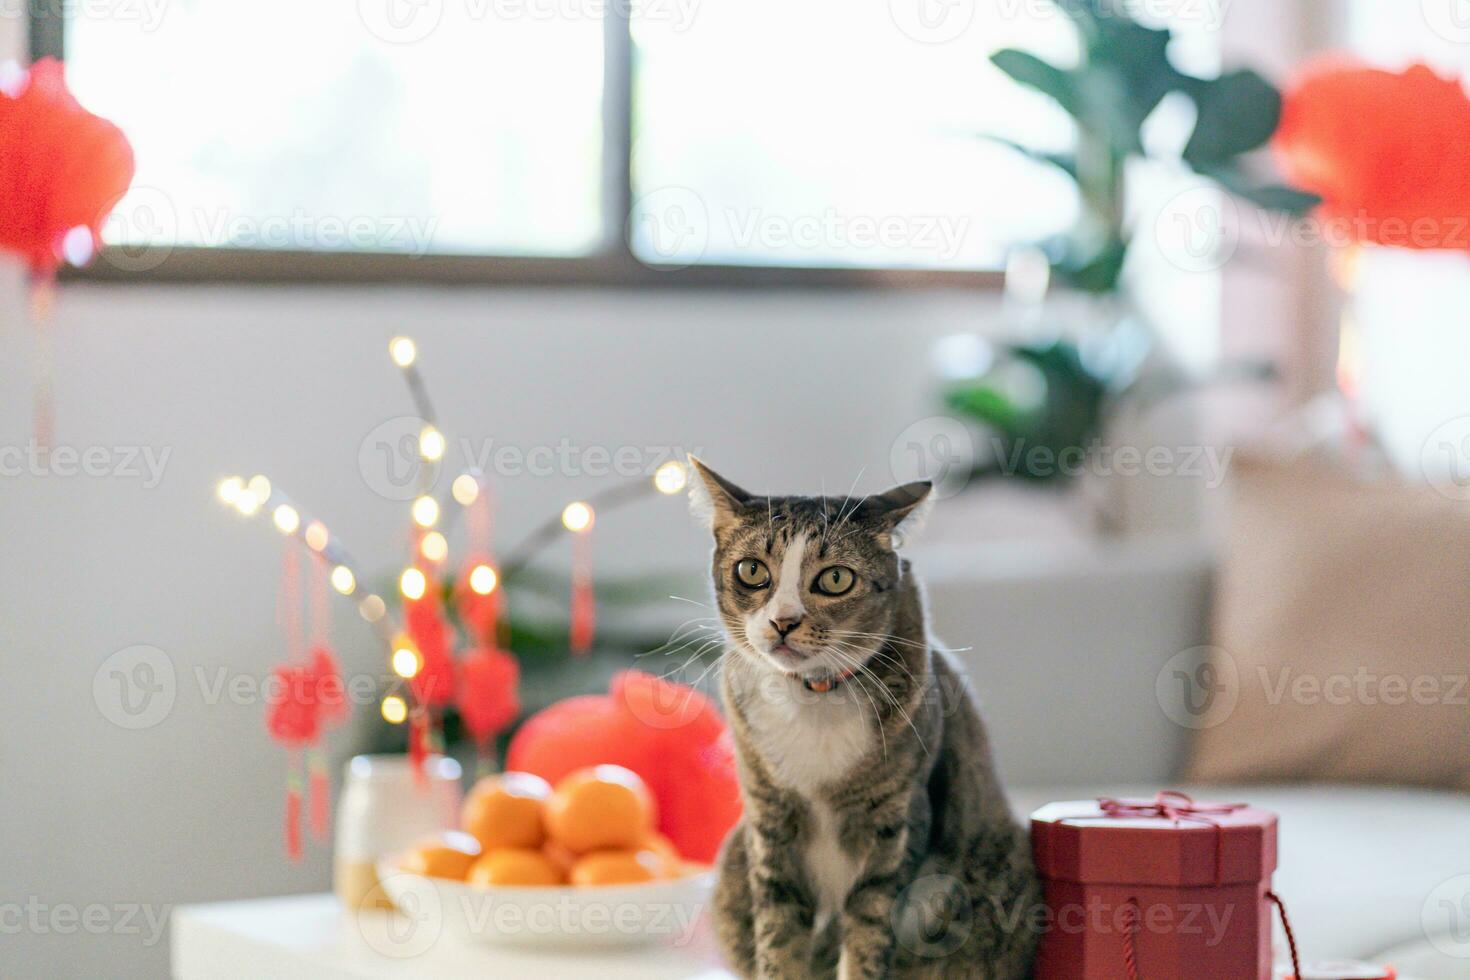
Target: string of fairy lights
x,y
431,518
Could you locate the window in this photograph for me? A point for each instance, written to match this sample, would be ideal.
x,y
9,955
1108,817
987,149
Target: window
x,y
486,136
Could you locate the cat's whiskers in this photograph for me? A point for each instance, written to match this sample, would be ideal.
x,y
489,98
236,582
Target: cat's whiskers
x,y
863,668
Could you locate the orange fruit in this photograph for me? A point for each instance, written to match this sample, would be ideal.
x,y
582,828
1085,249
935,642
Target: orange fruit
x,y
663,848
505,811
559,856
449,856
600,808
514,866
617,868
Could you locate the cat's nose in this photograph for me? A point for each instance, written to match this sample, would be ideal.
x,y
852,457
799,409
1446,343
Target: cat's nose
x,y
784,626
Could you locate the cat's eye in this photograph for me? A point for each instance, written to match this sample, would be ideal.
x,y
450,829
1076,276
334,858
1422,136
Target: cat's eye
x,y
752,573
835,580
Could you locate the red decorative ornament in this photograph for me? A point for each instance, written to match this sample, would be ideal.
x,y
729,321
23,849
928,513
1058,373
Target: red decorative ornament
x,y
294,715
489,681
1386,151
61,168
62,171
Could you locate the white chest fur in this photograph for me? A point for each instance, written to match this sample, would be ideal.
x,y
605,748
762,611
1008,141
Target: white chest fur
x,y
809,740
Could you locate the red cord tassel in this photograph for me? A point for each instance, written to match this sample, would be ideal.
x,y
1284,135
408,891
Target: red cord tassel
x,y
43,305
418,730
293,820
584,616
320,793
584,602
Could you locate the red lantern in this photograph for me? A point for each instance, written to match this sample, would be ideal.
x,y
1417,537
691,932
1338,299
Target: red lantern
x,y
61,168
1386,151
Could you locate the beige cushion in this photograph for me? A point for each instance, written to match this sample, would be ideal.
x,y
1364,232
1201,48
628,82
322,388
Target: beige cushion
x,y
1343,620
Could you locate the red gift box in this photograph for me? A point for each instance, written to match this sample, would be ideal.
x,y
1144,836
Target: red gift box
x,y
1162,888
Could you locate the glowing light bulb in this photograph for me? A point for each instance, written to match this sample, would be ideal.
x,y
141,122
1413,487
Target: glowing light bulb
x,y
343,580
261,487
426,511
434,547
286,518
317,536
406,662
372,608
483,579
412,583
670,478
577,516
395,711
466,489
431,444
247,503
403,351
229,490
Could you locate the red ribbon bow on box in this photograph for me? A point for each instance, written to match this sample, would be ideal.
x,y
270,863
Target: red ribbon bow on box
x,y
1178,807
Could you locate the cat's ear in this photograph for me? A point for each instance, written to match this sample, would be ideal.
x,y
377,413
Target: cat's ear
x,y
902,511
713,499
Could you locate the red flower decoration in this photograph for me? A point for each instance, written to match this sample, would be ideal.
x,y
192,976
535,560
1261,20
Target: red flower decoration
x,y
293,714
669,734
489,681
60,167
1386,151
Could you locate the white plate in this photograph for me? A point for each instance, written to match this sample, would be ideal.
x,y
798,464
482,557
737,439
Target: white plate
x,y
553,917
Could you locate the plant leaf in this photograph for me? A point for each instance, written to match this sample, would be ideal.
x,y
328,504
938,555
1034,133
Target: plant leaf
x,y
1065,162
1272,197
1043,76
1238,113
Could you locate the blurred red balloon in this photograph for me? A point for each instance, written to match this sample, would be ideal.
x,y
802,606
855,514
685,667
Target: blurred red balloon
x,y
61,168
1388,152
669,734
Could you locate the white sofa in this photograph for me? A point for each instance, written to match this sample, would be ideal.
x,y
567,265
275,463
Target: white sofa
x,y
1065,646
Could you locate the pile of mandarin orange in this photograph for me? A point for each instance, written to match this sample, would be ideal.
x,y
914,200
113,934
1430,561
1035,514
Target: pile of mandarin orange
x,y
595,828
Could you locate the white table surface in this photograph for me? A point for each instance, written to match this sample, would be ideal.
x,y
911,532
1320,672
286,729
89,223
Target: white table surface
x,y
307,937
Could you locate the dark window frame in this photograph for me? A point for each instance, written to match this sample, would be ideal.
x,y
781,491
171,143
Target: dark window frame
x,y
614,264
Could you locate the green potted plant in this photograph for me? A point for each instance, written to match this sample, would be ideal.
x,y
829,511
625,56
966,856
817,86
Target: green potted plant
x,y
1081,374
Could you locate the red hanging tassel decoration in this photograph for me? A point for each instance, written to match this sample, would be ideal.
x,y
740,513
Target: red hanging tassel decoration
x,y
292,829
489,697
584,602
320,796
418,731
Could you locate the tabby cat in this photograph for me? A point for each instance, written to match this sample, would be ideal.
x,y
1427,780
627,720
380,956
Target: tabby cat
x,y
876,840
